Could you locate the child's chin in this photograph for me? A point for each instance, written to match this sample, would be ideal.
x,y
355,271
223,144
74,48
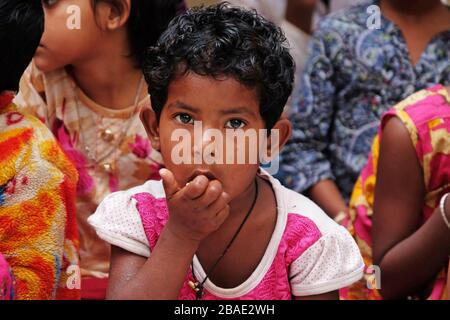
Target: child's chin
x,y
45,64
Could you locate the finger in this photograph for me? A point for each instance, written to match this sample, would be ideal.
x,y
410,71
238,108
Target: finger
x,y
221,216
212,193
219,204
196,187
170,184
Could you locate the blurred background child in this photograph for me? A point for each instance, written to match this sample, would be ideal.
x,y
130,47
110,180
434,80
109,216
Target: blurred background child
x,y
221,230
38,232
86,85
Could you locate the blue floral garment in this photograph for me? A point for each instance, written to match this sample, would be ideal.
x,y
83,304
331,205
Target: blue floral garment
x,y
353,75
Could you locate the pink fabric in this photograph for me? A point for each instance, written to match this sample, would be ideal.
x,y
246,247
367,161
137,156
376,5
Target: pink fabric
x,y
85,181
299,234
6,280
141,147
426,115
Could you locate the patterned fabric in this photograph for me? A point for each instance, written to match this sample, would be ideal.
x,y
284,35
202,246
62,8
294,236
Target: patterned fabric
x,y
353,75
38,233
117,137
6,280
426,115
308,253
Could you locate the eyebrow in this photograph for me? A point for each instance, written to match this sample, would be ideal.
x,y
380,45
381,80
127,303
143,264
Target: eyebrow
x,y
237,110
182,105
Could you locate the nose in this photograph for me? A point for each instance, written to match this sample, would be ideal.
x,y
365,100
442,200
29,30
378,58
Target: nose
x,y
205,145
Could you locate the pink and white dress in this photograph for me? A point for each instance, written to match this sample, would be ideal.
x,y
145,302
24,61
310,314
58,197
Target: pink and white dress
x,y
308,254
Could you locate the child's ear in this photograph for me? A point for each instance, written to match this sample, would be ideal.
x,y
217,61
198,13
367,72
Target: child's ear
x,y
283,129
112,16
150,122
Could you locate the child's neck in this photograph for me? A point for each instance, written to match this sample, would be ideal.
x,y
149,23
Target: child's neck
x,y
246,253
109,80
240,205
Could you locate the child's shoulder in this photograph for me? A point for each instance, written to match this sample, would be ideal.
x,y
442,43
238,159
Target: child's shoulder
x,y
421,111
301,209
306,223
322,255
151,189
119,220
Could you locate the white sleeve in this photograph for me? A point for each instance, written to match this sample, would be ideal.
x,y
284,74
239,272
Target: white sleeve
x,y
118,222
332,263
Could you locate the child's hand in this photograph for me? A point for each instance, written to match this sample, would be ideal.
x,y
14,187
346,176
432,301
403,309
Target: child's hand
x,y
197,209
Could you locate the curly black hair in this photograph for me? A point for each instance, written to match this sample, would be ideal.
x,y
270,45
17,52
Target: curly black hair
x,y
21,28
223,41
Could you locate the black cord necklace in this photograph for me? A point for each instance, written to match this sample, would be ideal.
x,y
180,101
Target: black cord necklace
x,y
198,287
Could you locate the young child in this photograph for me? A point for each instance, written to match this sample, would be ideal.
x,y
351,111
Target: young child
x,y
399,210
38,233
220,231
86,84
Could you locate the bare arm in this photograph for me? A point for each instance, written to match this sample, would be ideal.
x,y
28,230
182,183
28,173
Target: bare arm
x,y
408,253
196,210
326,194
158,278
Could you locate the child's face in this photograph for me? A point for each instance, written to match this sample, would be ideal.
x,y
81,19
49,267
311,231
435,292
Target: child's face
x,y
218,104
71,34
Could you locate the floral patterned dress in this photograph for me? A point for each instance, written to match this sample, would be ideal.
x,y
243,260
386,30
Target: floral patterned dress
x,y
109,148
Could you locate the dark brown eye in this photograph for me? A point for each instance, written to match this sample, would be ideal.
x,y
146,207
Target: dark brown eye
x,y
184,118
235,124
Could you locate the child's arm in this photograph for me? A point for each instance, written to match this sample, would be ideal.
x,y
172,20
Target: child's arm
x,y
195,211
408,253
159,277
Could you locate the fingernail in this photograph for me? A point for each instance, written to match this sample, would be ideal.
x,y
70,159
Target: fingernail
x,y
199,179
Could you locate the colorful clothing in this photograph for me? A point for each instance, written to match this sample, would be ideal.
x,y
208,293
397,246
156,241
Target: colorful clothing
x,y
38,233
308,254
426,115
116,138
354,74
6,280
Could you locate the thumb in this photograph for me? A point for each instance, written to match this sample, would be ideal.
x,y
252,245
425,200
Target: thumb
x,y
170,184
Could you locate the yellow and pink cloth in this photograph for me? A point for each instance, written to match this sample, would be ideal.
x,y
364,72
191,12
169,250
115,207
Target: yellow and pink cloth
x,y
38,232
426,115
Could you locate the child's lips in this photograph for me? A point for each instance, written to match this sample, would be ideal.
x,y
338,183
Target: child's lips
x,y
207,174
